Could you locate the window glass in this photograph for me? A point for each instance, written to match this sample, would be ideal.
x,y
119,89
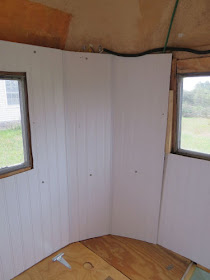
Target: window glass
x,y
194,114
12,91
14,129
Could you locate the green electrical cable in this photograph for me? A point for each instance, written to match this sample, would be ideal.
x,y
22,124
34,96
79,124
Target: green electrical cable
x,y
169,30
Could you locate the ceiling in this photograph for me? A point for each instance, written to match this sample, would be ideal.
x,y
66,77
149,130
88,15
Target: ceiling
x,y
120,25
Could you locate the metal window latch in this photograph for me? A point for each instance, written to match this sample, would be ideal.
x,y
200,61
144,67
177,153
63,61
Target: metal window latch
x,y
60,259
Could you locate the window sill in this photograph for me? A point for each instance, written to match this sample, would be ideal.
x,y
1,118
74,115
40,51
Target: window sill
x,y
194,155
15,172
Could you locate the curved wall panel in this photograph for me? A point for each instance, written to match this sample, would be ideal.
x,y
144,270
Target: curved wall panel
x,y
140,89
89,114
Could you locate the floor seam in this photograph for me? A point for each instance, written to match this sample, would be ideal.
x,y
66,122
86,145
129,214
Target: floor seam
x,y
105,260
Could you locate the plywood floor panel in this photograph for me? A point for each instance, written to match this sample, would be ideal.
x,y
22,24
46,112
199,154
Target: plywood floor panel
x,y
85,265
137,259
111,258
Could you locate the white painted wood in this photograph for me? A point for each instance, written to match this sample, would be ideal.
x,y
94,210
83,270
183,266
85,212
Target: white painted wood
x,y
48,207
87,89
14,220
34,209
6,256
61,154
185,222
58,202
140,96
26,225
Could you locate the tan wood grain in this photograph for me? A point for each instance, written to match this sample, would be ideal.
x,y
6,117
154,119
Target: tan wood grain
x,y
173,86
137,259
78,257
169,132
193,65
11,173
173,75
190,273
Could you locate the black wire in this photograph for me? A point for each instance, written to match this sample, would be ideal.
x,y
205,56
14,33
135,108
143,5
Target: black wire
x,y
157,50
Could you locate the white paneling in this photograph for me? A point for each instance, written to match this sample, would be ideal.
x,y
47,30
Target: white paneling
x,y
48,207
13,210
140,97
71,113
34,207
27,227
6,256
88,142
185,222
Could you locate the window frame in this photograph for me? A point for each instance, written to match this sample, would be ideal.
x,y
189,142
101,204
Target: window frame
x,y
25,124
177,150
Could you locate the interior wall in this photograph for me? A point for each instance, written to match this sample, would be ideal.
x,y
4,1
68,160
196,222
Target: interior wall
x,y
184,223
140,89
67,196
74,99
57,202
87,87
34,204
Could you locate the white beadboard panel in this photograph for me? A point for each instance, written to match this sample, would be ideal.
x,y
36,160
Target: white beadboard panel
x,y
6,256
27,227
76,102
185,224
14,220
140,89
87,91
34,208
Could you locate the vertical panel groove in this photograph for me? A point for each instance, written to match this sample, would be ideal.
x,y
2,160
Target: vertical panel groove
x,y
20,221
139,125
87,168
29,196
66,143
47,161
77,168
56,157
39,184
30,212
10,238
1,270
87,97
35,150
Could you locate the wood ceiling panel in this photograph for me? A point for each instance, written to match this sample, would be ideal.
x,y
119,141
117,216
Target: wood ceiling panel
x,y
134,26
23,21
120,25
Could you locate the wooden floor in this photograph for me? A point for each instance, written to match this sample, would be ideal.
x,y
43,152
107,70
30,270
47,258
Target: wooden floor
x,y
137,259
110,258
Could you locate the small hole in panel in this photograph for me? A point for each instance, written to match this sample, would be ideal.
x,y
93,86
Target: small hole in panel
x,y
88,265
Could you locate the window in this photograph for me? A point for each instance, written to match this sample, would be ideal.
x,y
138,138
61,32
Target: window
x,y
193,115
12,91
15,145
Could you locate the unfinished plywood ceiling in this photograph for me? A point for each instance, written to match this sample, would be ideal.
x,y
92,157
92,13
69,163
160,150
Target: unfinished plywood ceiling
x,y
32,23
120,25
